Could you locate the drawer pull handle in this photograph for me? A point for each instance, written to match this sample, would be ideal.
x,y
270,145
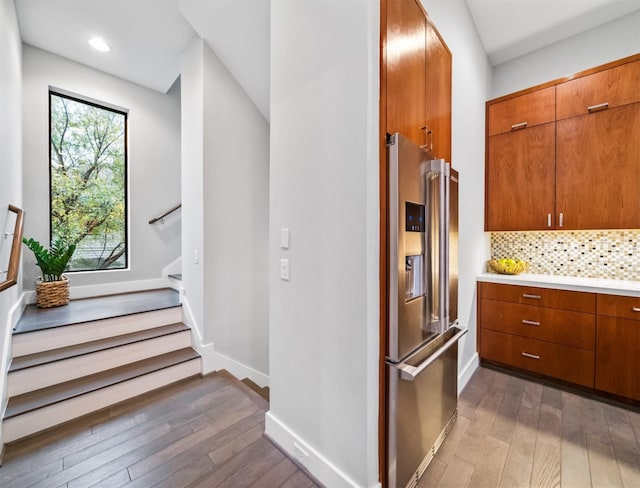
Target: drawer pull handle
x,y
532,356
600,106
535,297
530,322
635,309
521,125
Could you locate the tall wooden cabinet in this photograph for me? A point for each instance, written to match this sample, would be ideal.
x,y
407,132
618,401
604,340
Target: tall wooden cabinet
x,y
406,70
581,171
415,100
418,78
438,99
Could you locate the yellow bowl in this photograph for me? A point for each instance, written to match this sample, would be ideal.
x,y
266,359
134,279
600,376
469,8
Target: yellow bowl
x,y
514,268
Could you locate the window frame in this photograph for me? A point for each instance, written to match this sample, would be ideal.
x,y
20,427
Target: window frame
x,y
53,91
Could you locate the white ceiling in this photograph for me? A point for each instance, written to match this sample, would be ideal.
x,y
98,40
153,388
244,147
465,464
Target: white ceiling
x,y
511,28
147,37
238,31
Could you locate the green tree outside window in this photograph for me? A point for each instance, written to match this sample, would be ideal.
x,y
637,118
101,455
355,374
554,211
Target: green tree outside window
x,y
88,182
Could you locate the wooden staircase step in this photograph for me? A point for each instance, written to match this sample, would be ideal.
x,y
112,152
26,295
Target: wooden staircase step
x,y
38,399
38,341
46,357
98,308
260,390
258,398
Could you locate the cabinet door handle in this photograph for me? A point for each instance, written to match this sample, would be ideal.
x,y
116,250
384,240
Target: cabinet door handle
x,y
600,106
561,219
428,138
535,297
530,322
521,125
529,355
635,309
549,220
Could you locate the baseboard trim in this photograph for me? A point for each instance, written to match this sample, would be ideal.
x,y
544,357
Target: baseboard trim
x,y
467,372
238,369
213,360
314,462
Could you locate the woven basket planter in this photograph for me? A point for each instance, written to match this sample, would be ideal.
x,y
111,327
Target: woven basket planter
x,y
52,293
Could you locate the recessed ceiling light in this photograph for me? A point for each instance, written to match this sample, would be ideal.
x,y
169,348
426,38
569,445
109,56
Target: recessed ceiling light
x,y
99,45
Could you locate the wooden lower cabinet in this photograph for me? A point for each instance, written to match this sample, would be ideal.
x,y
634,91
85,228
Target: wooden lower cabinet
x,y
557,361
564,327
618,346
588,339
618,357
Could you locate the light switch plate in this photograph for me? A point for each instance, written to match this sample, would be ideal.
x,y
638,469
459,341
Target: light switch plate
x,y
284,238
284,269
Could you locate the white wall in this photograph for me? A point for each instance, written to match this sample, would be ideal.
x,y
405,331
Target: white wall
x,y
226,173
153,165
608,42
470,87
10,165
324,188
192,149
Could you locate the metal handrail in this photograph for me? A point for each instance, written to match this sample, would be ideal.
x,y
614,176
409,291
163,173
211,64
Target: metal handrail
x,y
161,217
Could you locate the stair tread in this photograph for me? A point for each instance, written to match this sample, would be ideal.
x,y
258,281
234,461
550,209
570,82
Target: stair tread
x,y
97,308
37,359
54,394
243,384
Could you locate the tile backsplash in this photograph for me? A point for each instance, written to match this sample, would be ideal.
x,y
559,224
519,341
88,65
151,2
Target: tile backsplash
x,y
590,254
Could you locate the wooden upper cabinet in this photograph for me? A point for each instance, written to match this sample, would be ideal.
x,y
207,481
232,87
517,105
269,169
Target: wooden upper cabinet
x,y
520,179
523,111
605,89
418,78
598,170
438,94
406,59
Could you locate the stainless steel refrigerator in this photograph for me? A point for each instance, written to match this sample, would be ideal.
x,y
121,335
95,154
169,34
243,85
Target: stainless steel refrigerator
x,y
423,331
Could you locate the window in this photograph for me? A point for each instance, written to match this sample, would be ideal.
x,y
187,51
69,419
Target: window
x,y
88,181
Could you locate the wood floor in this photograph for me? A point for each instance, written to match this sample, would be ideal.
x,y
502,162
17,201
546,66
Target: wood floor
x,y
203,432
208,432
517,433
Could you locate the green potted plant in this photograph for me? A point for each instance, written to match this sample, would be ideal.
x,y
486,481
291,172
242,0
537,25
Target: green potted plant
x,y
52,288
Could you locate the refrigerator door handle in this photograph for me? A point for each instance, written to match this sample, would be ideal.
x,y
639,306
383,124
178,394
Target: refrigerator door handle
x,y
410,373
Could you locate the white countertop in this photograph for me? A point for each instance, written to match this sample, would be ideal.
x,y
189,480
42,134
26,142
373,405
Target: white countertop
x,y
592,285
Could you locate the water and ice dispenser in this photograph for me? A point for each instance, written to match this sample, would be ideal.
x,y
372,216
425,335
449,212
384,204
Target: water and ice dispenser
x,y
414,250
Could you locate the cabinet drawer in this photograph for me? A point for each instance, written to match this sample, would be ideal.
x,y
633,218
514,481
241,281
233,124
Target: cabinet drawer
x,y
617,306
524,111
540,297
618,356
554,360
615,86
566,327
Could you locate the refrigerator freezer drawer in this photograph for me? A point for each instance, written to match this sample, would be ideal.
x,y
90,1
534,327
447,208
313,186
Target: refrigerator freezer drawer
x,y
421,411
